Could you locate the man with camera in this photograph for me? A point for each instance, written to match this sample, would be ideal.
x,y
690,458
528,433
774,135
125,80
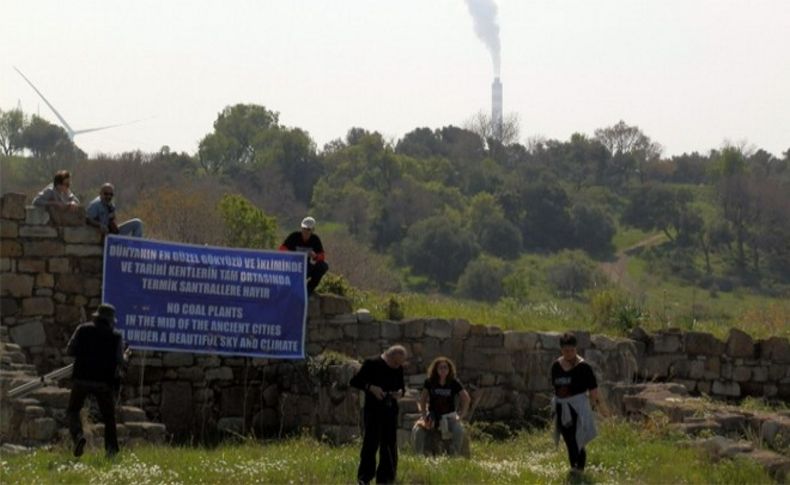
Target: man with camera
x,y
381,378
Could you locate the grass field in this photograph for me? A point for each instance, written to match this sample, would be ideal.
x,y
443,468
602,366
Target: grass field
x,y
623,453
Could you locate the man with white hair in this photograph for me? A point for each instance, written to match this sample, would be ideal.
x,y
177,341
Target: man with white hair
x,y
381,378
306,241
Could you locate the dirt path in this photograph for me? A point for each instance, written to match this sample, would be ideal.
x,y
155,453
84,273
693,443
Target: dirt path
x,y
617,270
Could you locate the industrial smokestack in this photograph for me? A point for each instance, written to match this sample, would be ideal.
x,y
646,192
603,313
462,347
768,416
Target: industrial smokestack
x,y
496,108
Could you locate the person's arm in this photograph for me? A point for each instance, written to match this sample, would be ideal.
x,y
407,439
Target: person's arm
x,y
45,198
71,348
422,404
285,246
318,249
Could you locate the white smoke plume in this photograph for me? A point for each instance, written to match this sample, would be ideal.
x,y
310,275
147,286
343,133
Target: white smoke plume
x,y
484,13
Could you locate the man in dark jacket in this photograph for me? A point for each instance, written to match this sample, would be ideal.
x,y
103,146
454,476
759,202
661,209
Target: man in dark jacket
x,y
306,241
98,354
381,378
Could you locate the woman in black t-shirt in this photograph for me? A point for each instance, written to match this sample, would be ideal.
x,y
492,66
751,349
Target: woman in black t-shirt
x,y
572,377
438,406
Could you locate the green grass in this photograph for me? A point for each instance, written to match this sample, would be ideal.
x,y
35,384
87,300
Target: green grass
x,y
623,453
625,237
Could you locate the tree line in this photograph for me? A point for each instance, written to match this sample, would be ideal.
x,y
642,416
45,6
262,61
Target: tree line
x,y
449,208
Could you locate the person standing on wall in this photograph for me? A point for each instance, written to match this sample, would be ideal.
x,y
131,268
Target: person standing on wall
x,y
98,354
381,378
572,378
305,240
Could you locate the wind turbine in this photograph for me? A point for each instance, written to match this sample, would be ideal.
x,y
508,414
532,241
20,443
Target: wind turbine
x,y
69,130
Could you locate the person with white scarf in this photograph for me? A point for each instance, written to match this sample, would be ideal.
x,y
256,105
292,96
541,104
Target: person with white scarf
x,y
572,378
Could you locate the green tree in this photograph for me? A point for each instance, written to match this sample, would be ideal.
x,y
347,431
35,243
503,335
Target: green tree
x,y
12,125
482,279
245,225
440,248
231,143
631,149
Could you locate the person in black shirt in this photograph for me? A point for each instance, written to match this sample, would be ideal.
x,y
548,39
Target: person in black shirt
x,y
306,241
381,378
98,354
572,377
438,407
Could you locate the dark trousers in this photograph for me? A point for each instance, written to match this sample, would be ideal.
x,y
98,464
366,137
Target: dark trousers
x,y
577,458
104,398
314,274
381,425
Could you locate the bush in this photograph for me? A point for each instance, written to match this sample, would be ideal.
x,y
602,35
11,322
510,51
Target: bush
x,y
572,272
337,285
482,279
394,309
593,229
437,247
612,308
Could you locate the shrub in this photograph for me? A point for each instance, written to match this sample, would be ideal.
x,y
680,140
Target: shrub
x,y
335,284
612,308
482,279
572,272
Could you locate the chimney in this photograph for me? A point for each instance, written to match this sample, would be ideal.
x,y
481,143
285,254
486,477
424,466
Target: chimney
x,y
496,109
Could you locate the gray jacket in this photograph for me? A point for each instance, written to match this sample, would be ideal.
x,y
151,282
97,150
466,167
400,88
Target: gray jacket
x,y
48,194
585,421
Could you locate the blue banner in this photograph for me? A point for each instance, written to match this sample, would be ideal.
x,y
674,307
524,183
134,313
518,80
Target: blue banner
x,y
202,299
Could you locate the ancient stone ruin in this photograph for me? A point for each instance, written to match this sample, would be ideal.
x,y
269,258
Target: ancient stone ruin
x,y
51,279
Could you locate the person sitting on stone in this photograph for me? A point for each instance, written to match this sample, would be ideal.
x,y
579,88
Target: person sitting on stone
x,y
306,241
101,214
58,193
98,351
437,406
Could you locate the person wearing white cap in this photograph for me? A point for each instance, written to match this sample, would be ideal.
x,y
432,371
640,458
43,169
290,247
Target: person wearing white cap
x,y
306,241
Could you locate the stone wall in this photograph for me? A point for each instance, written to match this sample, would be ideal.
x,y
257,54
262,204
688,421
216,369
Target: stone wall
x,y
51,264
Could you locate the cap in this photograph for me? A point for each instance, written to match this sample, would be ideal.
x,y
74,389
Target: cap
x,y
106,312
308,223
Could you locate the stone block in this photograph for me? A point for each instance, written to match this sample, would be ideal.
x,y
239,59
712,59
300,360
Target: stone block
x,y
413,328
334,305
44,248
16,285
38,232
700,343
67,217
667,342
549,340
92,286
38,306
741,373
67,314
59,265
7,265
8,229
70,283
29,334
42,429
12,206
219,374
10,248
728,389
603,343
176,407
177,359
44,280
92,266
31,265
84,250
658,366
36,216
8,307
441,329
520,340
364,316
739,344
460,328
192,374
760,374
696,369
391,331
82,235
775,349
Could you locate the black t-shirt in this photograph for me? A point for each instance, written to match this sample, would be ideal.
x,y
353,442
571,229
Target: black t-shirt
x,y
98,351
294,242
579,379
442,397
376,372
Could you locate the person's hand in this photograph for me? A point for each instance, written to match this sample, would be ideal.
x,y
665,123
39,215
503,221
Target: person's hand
x,y
127,354
312,254
73,206
377,392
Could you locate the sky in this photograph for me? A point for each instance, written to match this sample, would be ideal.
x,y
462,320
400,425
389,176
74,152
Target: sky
x,y
692,74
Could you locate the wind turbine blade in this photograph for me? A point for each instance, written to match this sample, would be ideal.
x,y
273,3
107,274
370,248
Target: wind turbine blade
x,y
88,130
65,124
